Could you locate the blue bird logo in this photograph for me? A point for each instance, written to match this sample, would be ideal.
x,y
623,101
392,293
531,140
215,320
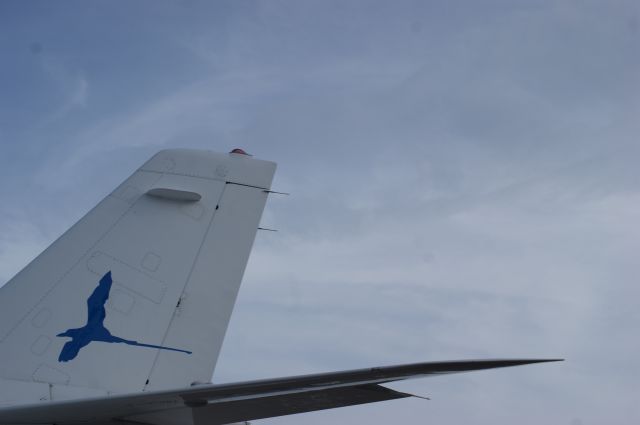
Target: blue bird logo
x,y
94,330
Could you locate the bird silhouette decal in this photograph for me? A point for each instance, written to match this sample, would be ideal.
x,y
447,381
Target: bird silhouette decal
x,y
94,330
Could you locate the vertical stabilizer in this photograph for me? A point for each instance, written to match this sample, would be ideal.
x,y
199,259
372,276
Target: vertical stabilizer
x,y
138,294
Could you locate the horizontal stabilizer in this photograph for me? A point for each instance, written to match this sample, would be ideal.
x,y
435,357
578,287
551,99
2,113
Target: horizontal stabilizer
x,y
220,404
284,404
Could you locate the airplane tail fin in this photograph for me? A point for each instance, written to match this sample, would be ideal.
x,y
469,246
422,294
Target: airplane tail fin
x,y
138,294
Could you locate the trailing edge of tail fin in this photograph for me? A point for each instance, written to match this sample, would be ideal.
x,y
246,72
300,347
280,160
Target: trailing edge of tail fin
x,y
138,294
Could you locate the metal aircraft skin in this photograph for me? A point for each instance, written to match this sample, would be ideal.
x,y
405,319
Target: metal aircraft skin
x,y
122,318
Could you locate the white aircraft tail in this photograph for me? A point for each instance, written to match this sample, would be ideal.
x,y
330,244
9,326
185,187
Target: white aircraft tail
x,y
138,294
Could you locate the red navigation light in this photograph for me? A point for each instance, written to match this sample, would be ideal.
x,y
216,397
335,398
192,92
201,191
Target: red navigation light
x,y
239,151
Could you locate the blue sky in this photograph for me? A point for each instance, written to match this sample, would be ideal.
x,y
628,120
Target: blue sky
x,y
463,174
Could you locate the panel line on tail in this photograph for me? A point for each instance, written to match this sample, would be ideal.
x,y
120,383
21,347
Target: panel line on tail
x,y
186,282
